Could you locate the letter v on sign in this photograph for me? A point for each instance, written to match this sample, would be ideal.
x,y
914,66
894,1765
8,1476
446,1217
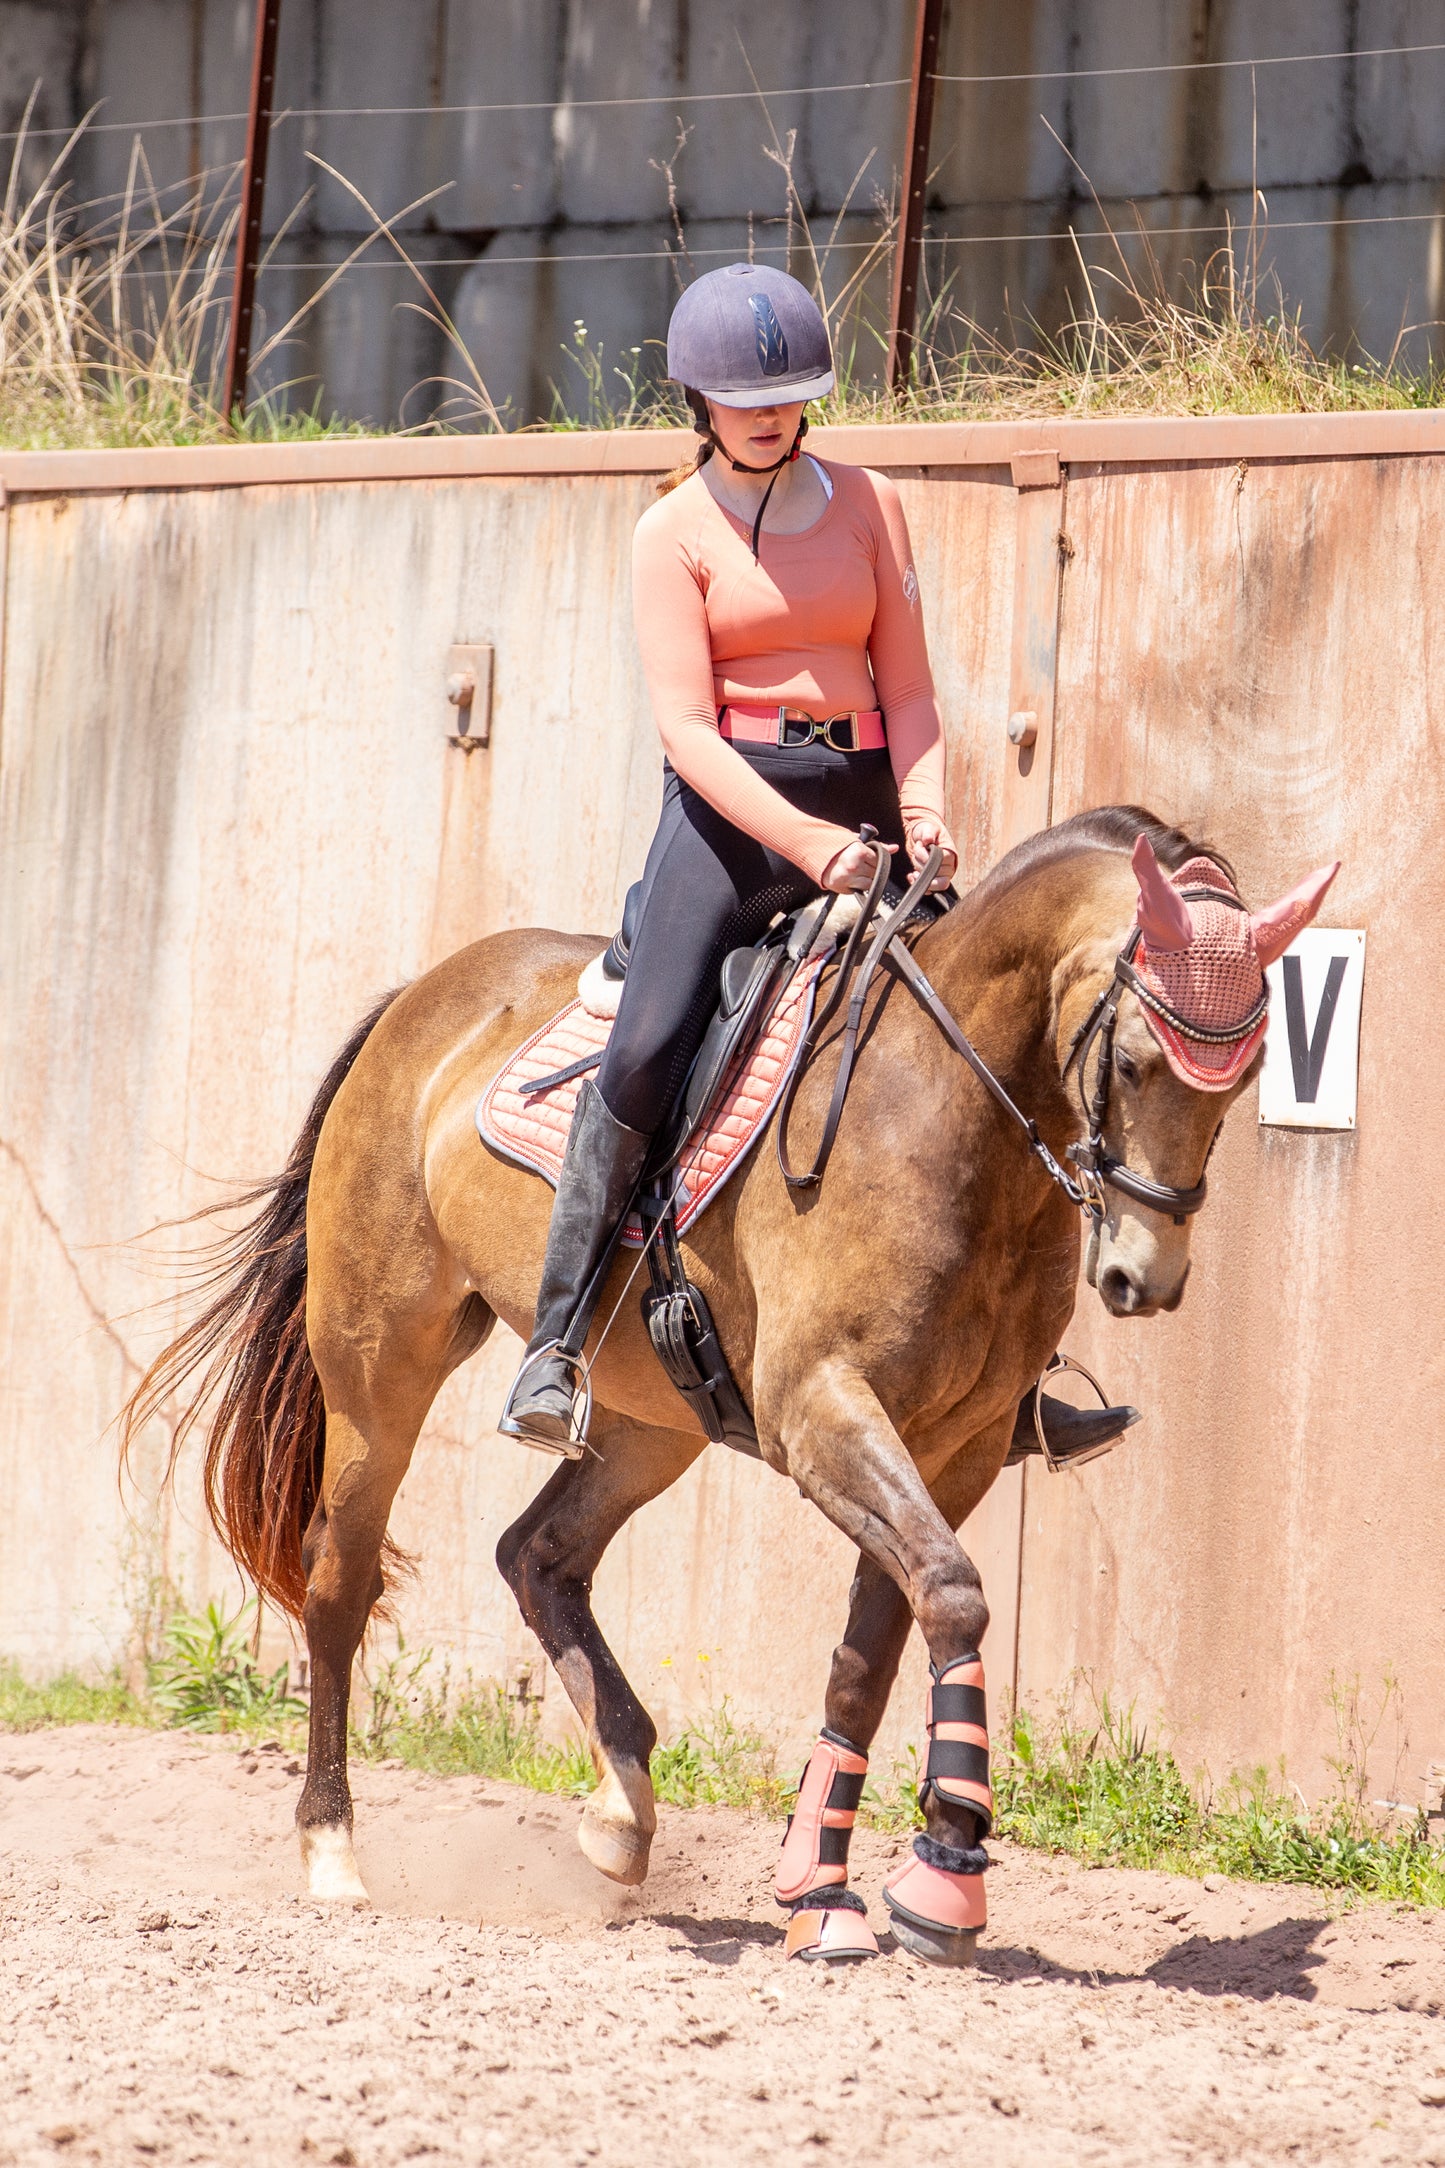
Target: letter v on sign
x,y
1311,1058
1306,1047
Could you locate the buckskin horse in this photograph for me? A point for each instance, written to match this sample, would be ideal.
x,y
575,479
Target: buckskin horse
x,y
882,1326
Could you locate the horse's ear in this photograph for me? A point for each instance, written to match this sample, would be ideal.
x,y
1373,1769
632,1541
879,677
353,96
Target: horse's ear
x,y
1277,924
1164,917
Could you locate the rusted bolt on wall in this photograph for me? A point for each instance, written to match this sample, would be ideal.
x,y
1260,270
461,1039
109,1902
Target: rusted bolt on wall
x,y
469,689
1039,479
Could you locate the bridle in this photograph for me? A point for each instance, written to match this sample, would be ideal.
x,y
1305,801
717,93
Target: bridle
x,y
1098,1169
1097,1165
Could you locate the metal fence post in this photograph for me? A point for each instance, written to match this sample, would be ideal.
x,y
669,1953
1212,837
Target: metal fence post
x,y
253,190
907,255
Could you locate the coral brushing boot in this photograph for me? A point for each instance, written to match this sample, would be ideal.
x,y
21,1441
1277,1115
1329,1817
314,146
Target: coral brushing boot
x,y
937,1900
599,1173
828,1922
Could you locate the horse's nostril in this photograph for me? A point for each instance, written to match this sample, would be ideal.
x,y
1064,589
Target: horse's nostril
x,y
1117,1289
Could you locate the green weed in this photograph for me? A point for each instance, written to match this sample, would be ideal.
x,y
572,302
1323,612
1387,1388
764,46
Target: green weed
x,y
1104,1793
716,1762
68,1699
469,1729
208,1680
627,394
476,1728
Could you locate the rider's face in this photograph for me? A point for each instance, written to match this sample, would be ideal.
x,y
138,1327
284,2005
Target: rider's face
x,y
756,436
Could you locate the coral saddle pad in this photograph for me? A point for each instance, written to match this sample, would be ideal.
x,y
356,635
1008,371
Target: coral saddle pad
x,y
532,1132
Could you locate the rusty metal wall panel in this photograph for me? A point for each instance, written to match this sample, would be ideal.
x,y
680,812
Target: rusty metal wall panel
x,y
229,818
232,822
965,528
1258,653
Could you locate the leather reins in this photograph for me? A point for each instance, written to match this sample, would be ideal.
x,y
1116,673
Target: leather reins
x,y
1098,1168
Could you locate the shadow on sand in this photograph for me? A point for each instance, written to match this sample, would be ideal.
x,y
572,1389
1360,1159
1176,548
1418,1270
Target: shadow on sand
x,y
1262,1966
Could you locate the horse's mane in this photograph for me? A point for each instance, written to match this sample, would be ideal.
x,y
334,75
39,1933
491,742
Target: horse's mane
x,y
1106,828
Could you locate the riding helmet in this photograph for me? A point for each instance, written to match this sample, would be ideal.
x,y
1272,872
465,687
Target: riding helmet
x,y
749,336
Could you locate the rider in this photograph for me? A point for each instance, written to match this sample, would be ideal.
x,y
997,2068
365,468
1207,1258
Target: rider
x,y
778,616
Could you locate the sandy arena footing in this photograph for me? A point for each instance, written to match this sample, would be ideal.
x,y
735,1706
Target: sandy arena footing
x,y
167,1994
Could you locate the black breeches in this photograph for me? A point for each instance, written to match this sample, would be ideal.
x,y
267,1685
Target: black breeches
x,y
708,888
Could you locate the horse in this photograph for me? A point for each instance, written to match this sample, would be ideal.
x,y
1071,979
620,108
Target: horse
x,y
882,1325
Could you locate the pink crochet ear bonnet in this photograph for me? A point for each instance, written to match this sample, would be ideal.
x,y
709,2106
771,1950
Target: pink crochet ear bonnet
x,y
1202,959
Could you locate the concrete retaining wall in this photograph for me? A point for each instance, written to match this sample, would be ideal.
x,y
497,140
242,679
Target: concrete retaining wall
x,y
229,818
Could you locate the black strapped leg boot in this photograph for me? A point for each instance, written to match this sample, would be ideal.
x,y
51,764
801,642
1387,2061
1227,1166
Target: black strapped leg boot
x,y
599,1172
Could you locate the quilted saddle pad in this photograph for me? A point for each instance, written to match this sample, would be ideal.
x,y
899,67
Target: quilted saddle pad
x,y
532,1131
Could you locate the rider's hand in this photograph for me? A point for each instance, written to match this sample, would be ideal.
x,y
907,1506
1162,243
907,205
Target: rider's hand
x,y
923,832
853,867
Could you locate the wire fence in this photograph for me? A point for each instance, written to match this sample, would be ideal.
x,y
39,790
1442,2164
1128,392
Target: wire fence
x,y
752,94
769,238
1051,237
1031,237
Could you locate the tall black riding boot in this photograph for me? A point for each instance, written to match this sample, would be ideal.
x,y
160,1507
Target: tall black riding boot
x,y
1074,1434
599,1170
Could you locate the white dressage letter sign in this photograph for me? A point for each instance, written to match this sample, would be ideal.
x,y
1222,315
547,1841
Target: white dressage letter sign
x,y
1312,1048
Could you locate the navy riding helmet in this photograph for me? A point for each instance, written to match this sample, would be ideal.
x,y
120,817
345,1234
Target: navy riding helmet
x,y
748,336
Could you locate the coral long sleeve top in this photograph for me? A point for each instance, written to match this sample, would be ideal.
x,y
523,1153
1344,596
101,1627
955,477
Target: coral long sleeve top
x,y
828,620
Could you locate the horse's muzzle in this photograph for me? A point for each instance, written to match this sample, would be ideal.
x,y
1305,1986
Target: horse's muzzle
x,y
1125,1292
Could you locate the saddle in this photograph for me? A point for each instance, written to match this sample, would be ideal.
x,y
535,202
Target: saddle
x,y
748,1061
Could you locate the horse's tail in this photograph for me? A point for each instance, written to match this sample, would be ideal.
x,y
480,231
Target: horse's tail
x,y
265,1440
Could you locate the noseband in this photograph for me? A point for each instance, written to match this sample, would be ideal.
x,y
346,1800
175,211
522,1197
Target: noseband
x,y
1099,1170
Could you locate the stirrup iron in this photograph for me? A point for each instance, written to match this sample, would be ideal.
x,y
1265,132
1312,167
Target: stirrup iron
x,y
1057,1365
575,1444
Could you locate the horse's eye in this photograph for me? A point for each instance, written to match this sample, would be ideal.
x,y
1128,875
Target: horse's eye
x,y
1126,1065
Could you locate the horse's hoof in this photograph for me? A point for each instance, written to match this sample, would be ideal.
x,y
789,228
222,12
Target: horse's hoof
x,y
617,1849
936,1945
830,1938
936,1913
330,1863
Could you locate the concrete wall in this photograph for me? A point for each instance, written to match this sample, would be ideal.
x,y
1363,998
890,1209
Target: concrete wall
x,y
229,818
559,212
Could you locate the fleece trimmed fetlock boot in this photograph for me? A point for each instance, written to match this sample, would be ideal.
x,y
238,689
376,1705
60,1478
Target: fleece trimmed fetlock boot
x,y
599,1173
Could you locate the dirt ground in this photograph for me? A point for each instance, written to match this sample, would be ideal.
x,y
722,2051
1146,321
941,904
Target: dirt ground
x,y
167,1994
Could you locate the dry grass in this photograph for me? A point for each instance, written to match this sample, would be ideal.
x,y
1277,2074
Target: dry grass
x,y
113,321
1222,339
113,316
1216,350
1229,344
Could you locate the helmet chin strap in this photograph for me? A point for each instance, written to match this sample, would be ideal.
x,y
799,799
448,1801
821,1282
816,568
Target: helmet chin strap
x,y
702,423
